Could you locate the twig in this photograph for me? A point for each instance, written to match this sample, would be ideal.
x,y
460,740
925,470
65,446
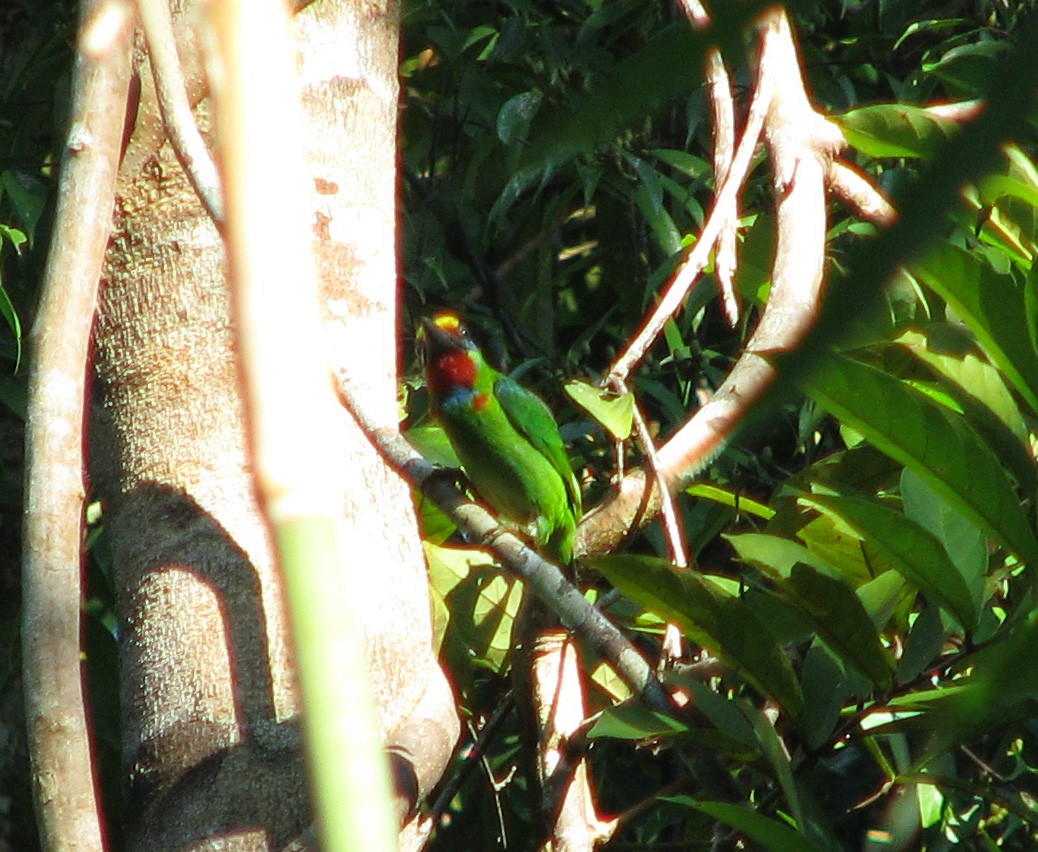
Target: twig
x,y
179,121
724,203
59,740
474,753
858,193
725,259
723,107
802,144
677,544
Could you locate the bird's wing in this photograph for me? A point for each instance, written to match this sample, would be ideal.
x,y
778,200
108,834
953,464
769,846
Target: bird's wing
x,y
533,420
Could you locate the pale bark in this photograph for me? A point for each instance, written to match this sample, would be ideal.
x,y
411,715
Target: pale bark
x,y
210,705
67,804
801,144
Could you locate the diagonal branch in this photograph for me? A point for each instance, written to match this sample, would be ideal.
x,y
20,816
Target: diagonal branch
x,y
720,215
722,105
59,743
543,578
801,143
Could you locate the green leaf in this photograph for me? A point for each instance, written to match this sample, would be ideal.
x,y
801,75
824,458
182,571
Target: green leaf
x,y
686,163
11,316
895,130
668,237
711,617
776,556
826,688
771,834
841,621
962,540
722,711
732,499
478,603
980,390
632,720
614,413
937,444
513,121
915,553
994,308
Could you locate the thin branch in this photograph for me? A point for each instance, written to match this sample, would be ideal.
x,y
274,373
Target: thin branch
x,y
723,108
543,578
802,144
856,191
59,742
676,291
723,105
179,121
677,543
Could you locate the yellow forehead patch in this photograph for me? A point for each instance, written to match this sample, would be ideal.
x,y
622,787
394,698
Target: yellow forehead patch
x,y
447,321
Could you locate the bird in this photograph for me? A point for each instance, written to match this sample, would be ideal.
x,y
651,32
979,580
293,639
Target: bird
x,y
504,435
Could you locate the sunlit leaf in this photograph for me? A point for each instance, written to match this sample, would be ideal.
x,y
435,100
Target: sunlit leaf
x,y
730,498
937,444
776,556
895,130
480,600
983,395
614,413
992,305
634,721
914,552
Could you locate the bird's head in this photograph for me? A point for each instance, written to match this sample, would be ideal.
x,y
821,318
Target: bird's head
x,y
452,358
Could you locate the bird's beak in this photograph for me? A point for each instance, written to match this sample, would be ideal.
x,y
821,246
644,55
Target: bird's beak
x,y
437,339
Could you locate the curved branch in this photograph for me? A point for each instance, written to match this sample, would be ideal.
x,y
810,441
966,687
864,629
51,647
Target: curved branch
x,y
59,741
723,108
724,203
801,143
179,121
856,191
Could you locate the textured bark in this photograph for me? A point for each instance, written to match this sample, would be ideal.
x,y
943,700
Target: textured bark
x,y
210,705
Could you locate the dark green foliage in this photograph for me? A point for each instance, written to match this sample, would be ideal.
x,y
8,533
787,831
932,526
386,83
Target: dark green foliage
x,y
871,578
871,575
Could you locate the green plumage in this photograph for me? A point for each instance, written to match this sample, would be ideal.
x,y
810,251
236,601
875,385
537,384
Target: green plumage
x,y
505,437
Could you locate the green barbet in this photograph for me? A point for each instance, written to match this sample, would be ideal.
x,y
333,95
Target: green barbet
x,y
505,437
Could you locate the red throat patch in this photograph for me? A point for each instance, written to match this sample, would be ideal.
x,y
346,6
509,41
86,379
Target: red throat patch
x,y
450,370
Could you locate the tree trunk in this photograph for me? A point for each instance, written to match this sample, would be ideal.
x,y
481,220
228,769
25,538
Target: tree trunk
x,y
210,706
